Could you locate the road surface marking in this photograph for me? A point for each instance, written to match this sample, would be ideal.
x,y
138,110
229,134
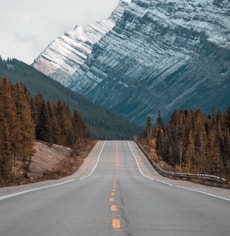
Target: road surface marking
x,y
95,166
171,185
116,223
54,185
35,189
112,199
113,208
206,193
139,168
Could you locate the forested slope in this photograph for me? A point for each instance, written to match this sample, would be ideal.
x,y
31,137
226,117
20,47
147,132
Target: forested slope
x,y
101,122
192,142
24,118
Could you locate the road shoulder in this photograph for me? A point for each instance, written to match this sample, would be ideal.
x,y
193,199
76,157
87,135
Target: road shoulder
x,y
153,175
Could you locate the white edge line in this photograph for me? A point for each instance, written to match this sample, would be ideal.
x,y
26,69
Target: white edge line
x,y
206,193
96,164
34,189
53,185
138,166
190,189
99,156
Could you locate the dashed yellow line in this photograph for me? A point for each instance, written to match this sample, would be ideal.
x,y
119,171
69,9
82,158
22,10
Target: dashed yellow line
x,y
112,199
116,223
113,208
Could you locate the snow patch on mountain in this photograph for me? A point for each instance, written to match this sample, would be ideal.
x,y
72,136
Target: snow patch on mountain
x,y
69,51
162,54
151,55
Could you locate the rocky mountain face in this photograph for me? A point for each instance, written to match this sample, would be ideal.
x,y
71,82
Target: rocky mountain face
x,y
68,52
160,55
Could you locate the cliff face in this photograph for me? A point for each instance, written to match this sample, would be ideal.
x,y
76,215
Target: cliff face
x,y
68,52
160,55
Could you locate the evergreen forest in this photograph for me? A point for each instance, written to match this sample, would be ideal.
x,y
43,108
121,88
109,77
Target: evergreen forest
x,y
24,118
192,142
101,122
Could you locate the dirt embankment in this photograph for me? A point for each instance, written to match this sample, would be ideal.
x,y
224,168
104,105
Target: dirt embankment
x,y
51,162
46,159
56,161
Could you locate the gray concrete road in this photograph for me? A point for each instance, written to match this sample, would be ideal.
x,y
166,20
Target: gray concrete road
x,y
116,192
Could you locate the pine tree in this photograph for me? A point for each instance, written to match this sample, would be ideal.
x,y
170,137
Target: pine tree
x,y
159,134
227,118
149,129
211,154
25,134
5,151
226,155
199,143
42,126
79,126
10,115
22,116
200,136
190,154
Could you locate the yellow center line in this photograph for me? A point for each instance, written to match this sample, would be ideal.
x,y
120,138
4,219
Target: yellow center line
x,y
112,199
113,208
116,223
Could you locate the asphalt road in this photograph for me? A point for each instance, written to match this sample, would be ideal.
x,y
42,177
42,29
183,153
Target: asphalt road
x,y
113,196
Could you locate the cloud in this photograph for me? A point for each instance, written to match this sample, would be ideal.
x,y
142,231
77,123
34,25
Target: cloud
x,y
27,27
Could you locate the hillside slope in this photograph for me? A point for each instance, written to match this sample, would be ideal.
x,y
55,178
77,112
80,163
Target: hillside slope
x,y
102,123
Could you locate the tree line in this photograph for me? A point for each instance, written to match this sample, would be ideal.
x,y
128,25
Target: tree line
x,y
101,122
193,141
24,118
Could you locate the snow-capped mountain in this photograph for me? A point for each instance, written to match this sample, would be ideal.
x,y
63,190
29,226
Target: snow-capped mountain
x,y
69,51
160,55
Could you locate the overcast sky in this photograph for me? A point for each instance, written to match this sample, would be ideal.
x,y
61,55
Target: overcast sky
x,y
28,26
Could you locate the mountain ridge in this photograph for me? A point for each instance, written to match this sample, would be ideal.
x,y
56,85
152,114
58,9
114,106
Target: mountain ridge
x,y
101,122
68,52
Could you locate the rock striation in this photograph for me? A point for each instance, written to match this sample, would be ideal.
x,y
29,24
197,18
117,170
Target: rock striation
x,y
160,55
68,52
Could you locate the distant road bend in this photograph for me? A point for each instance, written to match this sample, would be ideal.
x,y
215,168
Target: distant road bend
x,y
115,192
